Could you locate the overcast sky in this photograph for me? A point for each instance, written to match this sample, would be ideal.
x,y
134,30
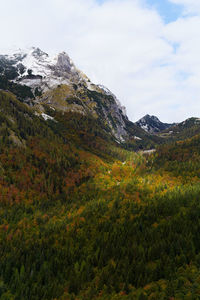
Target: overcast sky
x,y
145,51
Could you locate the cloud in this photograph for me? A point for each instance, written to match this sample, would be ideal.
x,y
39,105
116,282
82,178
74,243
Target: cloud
x,y
151,66
191,6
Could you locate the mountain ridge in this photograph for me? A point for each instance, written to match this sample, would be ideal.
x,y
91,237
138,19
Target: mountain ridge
x,y
152,124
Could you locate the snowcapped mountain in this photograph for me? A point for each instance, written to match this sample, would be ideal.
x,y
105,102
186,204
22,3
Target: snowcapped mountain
x,y
35,68
152,124
55,81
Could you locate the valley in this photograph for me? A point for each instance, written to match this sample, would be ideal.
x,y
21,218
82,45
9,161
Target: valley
x,y
92,206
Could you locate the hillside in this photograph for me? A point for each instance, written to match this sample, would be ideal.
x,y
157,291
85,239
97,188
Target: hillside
x,y
183,130
77,213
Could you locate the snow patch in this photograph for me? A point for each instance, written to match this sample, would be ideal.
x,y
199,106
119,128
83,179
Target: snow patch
x,y
148,151
137,138
145,127
46,117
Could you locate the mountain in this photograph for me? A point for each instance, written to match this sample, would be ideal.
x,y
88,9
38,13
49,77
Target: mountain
x,y
57,82
53,83
152,124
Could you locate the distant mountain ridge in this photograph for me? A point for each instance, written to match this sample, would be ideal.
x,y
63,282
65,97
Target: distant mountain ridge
x,y
152,124
184,130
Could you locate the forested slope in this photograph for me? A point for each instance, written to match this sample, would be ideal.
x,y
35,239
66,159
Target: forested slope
x,y
81,218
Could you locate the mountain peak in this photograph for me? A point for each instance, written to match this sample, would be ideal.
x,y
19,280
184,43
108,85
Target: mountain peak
x,y
152,124
46,71
65,63
147,117
37,52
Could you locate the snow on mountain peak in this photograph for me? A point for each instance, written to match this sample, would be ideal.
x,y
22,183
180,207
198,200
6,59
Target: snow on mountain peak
x,y
36,68
152,124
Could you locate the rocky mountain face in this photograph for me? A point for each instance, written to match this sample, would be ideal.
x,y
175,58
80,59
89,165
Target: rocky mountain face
x,y
40,80
152,124
36,69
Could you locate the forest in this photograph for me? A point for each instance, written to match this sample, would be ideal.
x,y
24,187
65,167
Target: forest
x,y
83,218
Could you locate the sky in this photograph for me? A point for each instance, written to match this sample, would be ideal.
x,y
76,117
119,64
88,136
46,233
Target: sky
x,y
147,52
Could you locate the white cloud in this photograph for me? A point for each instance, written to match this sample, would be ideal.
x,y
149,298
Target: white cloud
x,y
151,66
191,6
